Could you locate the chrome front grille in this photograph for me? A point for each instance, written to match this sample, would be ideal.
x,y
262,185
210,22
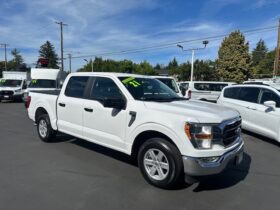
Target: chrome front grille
x,y
227,132
7,92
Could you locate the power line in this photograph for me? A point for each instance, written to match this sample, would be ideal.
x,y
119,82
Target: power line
x,y
171,44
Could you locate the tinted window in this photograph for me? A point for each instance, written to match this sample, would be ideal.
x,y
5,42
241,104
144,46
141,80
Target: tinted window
x,y
76,87
105,88
249,94
170,83
231,93
210,86
42,83
184,85
268,95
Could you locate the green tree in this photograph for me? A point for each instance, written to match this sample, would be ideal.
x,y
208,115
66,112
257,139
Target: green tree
x,y
173,67
17,62
234,62
266,65
47,51
259,53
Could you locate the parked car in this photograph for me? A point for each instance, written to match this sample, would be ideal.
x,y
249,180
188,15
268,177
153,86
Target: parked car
x,y
259,106
138,115
202,90
171,83
43,79
12,85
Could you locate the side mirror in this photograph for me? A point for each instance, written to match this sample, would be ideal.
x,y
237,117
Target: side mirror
x,y
270,104
183,91
117,103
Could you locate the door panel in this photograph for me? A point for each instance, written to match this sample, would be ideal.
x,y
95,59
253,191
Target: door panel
x,y
105,126
70,106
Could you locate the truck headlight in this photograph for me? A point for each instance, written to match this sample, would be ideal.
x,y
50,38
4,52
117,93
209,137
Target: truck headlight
x,y
201,136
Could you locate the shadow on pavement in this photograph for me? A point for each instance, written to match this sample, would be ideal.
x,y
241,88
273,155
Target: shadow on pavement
x,y
230,177
262,138
105,151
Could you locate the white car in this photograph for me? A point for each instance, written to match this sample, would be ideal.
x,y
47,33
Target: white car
x,y
259,106
203,90
169,135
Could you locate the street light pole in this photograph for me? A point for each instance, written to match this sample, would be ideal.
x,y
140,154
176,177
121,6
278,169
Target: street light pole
x,y
193,51
192,65
91,64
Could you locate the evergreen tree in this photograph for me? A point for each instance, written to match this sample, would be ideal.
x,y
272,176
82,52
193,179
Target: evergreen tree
x,y
234,63
259,53
47,51
266,65
17,63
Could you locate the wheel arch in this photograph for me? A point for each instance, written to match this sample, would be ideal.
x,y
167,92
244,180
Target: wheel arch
x,y
144,136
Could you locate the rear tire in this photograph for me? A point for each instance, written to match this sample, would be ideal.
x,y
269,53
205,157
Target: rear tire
x,y
160,162
44,128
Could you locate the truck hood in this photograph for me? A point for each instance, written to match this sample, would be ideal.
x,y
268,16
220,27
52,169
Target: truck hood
x,y
10,88
202,112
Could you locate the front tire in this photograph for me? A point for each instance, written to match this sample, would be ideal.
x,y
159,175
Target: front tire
x,y
160,162
44,128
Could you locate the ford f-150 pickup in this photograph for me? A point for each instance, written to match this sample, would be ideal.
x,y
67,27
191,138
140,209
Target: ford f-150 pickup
x,y
170,136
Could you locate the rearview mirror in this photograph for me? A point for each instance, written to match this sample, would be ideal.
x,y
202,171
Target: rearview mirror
x,y
183,91
117,103
270,104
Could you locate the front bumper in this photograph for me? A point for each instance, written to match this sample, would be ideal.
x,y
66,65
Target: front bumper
x,y
11,97
194,166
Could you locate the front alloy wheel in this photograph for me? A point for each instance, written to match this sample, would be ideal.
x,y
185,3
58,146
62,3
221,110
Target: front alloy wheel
x,y
156,164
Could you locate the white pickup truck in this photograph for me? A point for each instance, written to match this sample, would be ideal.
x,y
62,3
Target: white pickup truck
x,y
169,135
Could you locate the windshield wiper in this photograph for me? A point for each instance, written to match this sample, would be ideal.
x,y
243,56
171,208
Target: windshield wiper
x,y
165,99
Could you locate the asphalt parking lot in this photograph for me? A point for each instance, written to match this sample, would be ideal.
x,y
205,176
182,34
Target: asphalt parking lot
x,y
74,174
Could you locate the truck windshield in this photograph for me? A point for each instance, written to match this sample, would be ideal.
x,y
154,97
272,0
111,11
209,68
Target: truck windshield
x,y
42,83
10,83
170,83
149,89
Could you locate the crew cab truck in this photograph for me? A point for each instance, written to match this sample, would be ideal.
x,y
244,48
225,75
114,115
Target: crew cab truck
x,y
171,137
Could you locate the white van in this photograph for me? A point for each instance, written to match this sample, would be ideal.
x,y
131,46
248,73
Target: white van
x,y
12,85
204,90
42,79
171,83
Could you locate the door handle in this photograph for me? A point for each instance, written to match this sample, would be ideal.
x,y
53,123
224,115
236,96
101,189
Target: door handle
x,y
62,104
88,109
252,108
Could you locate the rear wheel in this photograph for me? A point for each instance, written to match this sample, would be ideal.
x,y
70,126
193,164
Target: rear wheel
x,y
160,163
44,128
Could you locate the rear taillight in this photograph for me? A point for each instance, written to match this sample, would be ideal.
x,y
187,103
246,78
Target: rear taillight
x,y
189,94
28,101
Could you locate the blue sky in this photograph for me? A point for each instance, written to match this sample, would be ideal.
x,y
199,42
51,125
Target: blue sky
x,y
97,26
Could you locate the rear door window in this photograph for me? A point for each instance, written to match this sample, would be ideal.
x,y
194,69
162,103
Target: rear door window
x,y
76,86
210,86
231,92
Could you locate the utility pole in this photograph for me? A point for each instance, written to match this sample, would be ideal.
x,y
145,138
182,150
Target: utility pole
x,y
61,43
193,51
70,61
5,49
277,54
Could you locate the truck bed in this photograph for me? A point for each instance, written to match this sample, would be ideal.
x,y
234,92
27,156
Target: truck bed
x,y
48,92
